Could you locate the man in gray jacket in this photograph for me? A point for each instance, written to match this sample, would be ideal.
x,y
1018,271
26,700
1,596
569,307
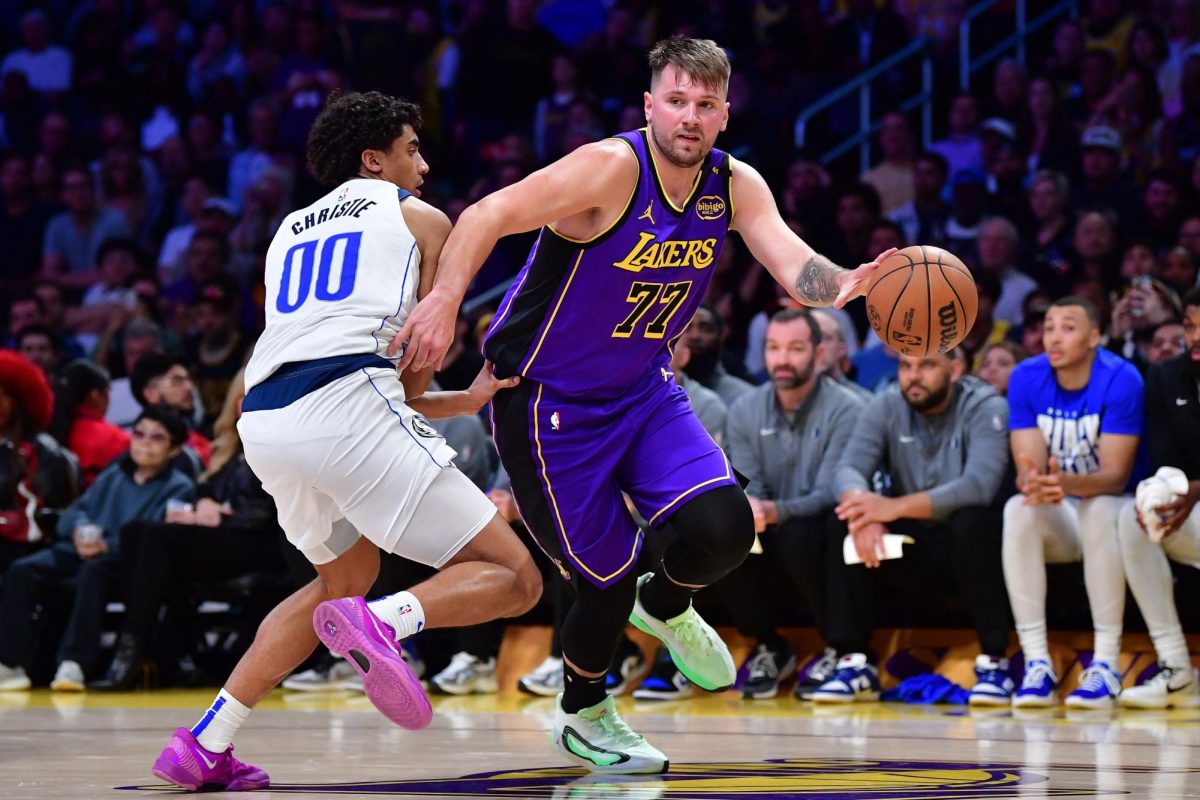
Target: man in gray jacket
x,y
784,437
943,439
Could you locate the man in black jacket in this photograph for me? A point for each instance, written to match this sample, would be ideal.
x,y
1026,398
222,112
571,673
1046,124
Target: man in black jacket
x,y
1173,427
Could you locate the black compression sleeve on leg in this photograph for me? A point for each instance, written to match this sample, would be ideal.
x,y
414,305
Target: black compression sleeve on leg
x,y
714,534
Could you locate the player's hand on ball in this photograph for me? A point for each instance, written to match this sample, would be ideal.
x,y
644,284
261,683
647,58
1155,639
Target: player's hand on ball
x,y
855,283
486,384
427,333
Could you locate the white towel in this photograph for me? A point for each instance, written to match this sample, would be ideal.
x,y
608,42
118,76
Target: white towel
x,y
1160,489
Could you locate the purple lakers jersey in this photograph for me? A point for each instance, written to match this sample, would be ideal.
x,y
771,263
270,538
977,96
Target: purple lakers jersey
x,y
591,317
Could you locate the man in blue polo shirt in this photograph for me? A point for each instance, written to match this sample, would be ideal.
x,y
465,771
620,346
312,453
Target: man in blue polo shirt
x,y
1076,420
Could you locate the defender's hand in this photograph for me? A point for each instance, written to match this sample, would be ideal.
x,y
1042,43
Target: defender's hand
x,y
427,333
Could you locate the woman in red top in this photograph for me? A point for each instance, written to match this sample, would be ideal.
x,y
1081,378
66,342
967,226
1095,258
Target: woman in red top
x,y
81,399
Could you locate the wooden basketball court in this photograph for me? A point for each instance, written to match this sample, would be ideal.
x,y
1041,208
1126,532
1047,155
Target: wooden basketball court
x,y
336,745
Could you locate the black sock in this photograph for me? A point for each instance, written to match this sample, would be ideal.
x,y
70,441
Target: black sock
x,y
580,691
663,598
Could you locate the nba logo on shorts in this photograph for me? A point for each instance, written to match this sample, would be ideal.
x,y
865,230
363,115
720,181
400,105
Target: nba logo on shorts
x,y
554,421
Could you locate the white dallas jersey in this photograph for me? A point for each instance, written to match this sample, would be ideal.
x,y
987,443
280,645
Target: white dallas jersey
x,y
341,277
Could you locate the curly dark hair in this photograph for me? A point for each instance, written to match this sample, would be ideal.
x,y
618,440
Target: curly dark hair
x,y
353,122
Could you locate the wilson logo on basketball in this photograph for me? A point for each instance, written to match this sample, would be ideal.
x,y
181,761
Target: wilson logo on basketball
x,y
948,319
710,207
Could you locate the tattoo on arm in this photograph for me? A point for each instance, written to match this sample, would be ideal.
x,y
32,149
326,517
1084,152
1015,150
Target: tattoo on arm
x,y
817,284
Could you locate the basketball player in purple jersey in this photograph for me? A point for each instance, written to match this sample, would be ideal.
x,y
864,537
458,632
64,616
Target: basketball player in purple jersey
x,y
630,230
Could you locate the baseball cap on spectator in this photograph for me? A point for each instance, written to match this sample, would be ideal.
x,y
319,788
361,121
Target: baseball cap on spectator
x,y
219,204
1001,127
1101,136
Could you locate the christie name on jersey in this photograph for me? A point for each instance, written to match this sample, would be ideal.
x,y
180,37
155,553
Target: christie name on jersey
x,y
350,208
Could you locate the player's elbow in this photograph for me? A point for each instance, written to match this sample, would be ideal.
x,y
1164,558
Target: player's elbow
x,y
485,217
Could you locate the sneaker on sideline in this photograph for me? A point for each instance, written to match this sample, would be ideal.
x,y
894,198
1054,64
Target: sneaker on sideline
x,y
628,669
766,668
993,685
68,678
13,679
1170,687
467,674
1039,687
333,678
815,673
1099,687
665,682
854,681
546,680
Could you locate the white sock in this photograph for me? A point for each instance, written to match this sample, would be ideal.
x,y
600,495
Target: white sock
x,y
1172,648
1107,647
1033,641
216,728
402,611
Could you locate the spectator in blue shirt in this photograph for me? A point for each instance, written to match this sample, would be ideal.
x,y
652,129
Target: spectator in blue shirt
x,y
135,487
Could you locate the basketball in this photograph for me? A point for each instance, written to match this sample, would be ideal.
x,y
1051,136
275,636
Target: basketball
x,y
922,301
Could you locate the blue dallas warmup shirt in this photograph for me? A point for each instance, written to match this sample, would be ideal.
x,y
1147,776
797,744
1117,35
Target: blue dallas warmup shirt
x,y
1072,421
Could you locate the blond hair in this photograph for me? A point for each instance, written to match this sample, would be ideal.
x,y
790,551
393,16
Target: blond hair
x,y
226,442
702,59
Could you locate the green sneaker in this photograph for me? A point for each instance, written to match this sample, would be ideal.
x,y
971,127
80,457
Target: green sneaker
x,y
599,740
695,647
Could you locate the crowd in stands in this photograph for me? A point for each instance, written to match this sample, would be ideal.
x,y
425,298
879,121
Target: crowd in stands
x,y
135,225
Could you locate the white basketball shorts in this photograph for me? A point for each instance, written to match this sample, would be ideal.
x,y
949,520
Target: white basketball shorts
x,y
352,459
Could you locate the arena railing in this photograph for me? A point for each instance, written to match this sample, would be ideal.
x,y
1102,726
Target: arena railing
x,y
917,49
1025,27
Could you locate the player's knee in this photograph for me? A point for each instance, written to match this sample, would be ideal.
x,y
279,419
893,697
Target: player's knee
x,y
1016,513
1129,532
721,523
528,587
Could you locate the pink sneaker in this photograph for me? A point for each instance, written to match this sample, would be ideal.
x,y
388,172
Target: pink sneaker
x,y
185,763
351,630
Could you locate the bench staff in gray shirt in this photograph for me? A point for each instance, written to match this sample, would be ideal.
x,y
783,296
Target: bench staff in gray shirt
x,y
785,438
943,438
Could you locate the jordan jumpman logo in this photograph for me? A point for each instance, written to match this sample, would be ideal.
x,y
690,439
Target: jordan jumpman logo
x,y
647,215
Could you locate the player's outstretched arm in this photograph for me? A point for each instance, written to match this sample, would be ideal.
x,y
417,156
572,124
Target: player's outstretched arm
x,y
441,405
807,275
579,182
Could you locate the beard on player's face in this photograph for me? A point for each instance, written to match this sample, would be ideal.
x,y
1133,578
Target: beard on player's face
x,y
789,377
922,398
669,147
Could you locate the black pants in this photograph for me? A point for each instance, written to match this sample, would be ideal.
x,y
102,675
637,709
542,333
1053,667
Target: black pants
x,y
963,551
158,557
10,551
792,563
46,570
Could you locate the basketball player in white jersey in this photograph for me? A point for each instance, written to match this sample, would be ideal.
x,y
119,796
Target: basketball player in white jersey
x,y
338,443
